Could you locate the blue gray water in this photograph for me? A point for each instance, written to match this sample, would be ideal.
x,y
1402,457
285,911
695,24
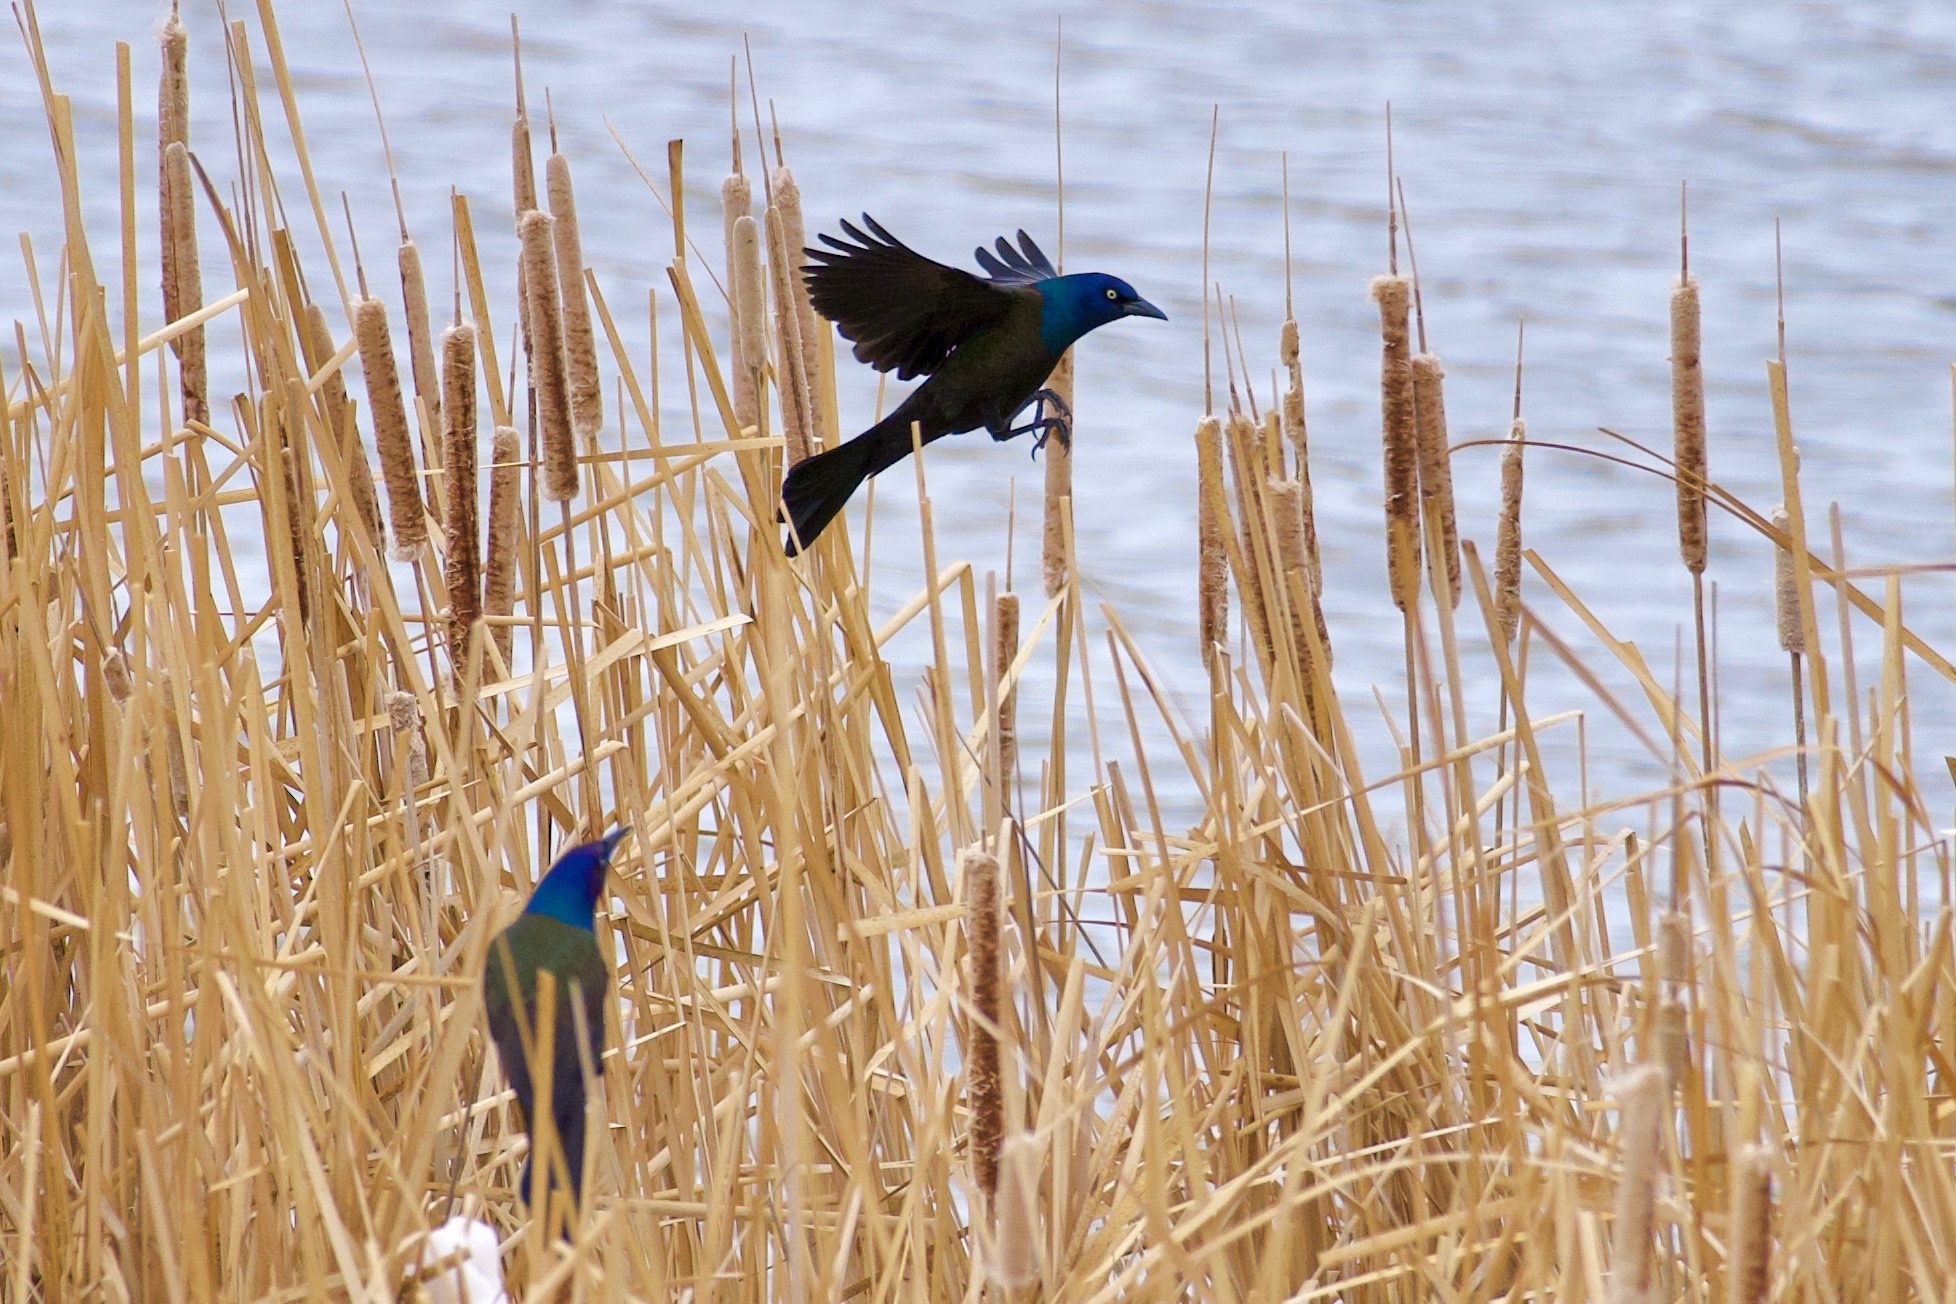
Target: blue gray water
x,y
1542,149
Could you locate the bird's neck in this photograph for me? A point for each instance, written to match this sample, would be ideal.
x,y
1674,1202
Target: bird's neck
x,y
564,902
1064,316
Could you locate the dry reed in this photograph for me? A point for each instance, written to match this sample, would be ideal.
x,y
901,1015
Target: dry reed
x,y
391,438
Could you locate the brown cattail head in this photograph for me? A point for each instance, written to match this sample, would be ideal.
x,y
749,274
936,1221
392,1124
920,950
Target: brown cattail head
x,y
736,202
1688,423
1507,535
1786,590
750,318
1005,647
1292,415
1644,1098
580,344
1212,559
1055,561
523,185
390,427
796,413
421,347
499,572
547,376
1286,507
463,551
813,330
404,718
183,278
1246,464
1017,1217
1436,480
346,433
116,676
983,1089
1750,1271
1401,439
173,90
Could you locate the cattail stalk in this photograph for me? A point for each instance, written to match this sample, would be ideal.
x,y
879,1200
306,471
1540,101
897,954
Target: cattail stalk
x,y
580,346
1016,1252
983,1087
1644,1097
797,417
1005,647
183,282
390,427
1688,423
810,328
463,551
1750,1262
1055,562
1393,294
421,351
1292,412
736,202
1436,480
750,320
1212,561
547,376
1507,535
499,571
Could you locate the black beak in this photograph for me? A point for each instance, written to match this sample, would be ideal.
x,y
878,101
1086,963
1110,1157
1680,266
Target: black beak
x,y
1142,308
613,838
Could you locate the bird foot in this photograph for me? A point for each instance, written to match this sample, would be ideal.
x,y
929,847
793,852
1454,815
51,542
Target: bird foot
x,y
1049,427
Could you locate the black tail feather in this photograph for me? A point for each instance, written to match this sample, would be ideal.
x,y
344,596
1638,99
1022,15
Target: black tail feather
x,y
817,488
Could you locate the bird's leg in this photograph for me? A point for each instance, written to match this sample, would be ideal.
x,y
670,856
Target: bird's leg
x,y
1060,423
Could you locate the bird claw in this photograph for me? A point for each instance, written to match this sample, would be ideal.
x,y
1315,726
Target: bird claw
x,y
1049,427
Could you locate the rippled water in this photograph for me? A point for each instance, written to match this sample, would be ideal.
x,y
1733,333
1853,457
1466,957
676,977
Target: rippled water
x,y
1542,148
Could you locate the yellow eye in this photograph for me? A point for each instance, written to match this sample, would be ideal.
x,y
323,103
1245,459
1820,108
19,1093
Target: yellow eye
x,y
1112,293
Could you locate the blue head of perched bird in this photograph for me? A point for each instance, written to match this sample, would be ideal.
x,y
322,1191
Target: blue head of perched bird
x,y
555,935
986,344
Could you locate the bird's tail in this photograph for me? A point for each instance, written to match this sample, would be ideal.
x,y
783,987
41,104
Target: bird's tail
x,y
818,487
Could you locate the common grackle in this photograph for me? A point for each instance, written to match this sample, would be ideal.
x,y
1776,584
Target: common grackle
x,y
554,935
987,346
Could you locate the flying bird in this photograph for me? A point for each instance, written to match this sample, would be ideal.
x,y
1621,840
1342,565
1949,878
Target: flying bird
x,y
555,935
987,346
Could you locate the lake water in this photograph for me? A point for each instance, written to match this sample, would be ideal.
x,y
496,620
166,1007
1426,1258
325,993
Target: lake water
x,y
1542,148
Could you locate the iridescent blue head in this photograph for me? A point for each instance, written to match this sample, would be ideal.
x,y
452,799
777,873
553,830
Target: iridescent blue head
x,y
570,891
1081,302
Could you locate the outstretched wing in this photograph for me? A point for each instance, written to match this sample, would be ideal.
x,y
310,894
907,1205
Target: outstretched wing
x,y
904,312
1025,265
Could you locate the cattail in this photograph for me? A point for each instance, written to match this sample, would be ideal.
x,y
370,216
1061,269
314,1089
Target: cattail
x,y
116,676
1005,647
339,420
404,719
547,358
174,761
983,1089
1644,1098
498,576
580,347
421,350
1674,948
1016,1247
1749,1268
1286,505
1786,589
796,418
1292,413
523,179
463,551
1246,463
1507,535
1055,563
183,284
1674,1039
1436,479
296,485
1212,562
736,202
750,320
172,128
1393,294
1688,423
812,329
390,427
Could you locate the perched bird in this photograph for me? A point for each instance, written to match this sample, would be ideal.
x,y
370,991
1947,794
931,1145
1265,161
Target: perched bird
x,y
987,346
554,935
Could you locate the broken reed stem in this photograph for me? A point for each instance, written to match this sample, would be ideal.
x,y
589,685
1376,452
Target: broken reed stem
x,y
1292,413
736,202
1005,647
1749,1269
983,1087
1436,480
791,380
463,552
1688,423
183,285
1212,561
580,345
421,352
1016,1251
1400,436
1056,564
499,572
391,439
547,376
811,331
344,430
1507,534
1644,1097
750,321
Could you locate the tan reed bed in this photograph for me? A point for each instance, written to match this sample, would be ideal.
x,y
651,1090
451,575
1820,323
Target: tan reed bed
x,y
254,850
